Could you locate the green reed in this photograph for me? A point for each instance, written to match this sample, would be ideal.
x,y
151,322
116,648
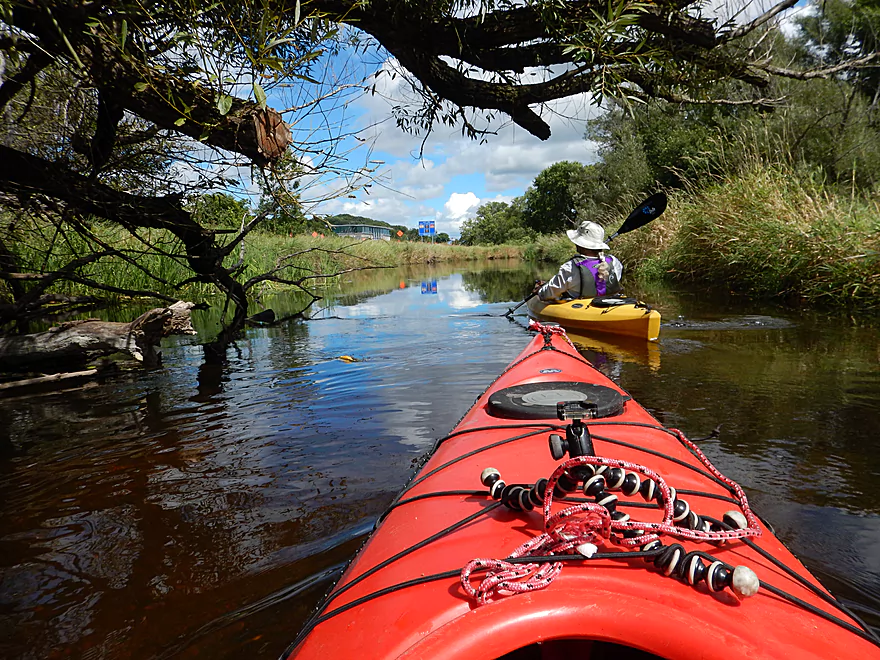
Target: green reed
x,y
155,260
767,231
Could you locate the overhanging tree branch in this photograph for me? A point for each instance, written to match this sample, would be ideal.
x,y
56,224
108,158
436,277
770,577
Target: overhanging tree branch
x,y
751,26
869,61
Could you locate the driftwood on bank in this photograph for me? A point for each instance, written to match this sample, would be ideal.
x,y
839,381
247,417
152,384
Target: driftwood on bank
x,y
75,343
54,382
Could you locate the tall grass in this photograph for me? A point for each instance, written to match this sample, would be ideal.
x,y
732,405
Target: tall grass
x,y
768,231
158,270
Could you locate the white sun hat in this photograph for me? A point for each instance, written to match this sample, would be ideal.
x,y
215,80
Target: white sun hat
x,y
588,235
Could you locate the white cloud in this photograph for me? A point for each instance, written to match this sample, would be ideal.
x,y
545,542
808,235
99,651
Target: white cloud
x,y
459,205
447,169
458,208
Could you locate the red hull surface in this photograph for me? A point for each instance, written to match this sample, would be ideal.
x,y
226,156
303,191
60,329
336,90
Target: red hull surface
x,y
403,595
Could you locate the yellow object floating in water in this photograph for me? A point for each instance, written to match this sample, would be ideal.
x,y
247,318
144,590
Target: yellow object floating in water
x,y
347,358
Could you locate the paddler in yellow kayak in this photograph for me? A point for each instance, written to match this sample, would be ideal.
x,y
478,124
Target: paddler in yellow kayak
x,y
589,273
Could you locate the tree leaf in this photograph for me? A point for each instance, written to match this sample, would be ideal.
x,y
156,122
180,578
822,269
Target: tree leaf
x,y
140,87
260,95
224,103
307,79
123,34
296,13
274,63
180,122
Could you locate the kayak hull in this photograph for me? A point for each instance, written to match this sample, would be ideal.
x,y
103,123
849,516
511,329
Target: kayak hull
x,y
627,320
402,595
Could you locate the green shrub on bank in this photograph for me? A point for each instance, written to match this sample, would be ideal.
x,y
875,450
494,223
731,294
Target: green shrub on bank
x,y
767,231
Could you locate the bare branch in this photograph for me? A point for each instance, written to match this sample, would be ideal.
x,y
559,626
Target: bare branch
x,y
134,293
244,231
862,62
771,13
34,64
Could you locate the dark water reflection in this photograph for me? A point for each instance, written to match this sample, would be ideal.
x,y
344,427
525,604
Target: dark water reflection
x,y
204,509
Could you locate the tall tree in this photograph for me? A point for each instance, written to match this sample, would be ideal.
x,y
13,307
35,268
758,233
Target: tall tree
x,y
496,223
549,201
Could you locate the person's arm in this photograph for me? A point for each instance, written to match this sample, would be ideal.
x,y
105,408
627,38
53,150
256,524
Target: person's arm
x,y
554,289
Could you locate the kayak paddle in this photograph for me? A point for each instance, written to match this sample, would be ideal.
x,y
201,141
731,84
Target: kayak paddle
x,y
527,299
649,210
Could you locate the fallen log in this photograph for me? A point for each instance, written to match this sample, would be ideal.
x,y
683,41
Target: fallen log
x,y
79,342
53,382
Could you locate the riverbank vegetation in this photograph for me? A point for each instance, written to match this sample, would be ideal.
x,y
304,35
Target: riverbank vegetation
x,y
780,204
312,262
763,232
121,113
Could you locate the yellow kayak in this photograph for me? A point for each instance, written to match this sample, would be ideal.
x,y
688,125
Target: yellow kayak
x,y
609,315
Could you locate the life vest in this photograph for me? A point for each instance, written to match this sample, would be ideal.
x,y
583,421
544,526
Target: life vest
x,y
591,285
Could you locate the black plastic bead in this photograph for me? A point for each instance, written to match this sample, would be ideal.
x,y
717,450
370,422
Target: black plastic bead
x,y
723,577
660,499
695,570
497,488
631,484
614,477
524,501
652,545
606,499
541,488
680,510
716,575
594,485
669,560
582,472
648,490
564,485
568,483
619,516
537,492
693,520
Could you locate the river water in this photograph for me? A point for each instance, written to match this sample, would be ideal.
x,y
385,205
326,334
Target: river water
x,y
203,509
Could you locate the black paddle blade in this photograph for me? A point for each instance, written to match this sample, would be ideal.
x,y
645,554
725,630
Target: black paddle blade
x,y
649,210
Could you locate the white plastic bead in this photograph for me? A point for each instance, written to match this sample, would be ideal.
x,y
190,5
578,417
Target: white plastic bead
x,y
488,472
587,549
736,519
745,582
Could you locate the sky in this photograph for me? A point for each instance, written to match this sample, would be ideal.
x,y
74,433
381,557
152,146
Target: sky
x,y
447,176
